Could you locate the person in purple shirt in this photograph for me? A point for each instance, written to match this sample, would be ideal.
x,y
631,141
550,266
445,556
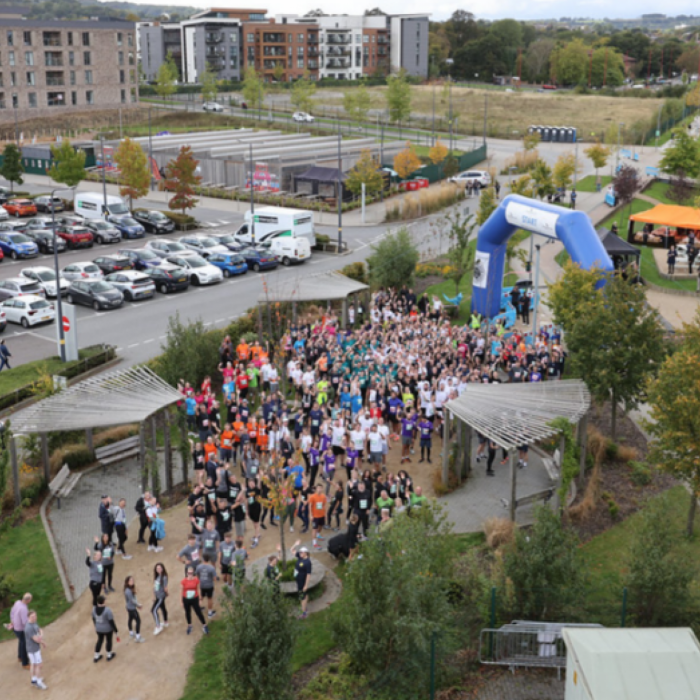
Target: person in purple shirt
x,y
326,439
18,621
351,457
328,467
408,424
395,406
314,458
536,375
425,430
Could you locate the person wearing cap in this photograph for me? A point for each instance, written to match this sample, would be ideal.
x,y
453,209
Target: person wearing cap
x,y
302,575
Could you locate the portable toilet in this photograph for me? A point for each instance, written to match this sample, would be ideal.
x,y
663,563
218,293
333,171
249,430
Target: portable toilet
x,y
573,138
540,131
531,129
568,134
555,133
546,134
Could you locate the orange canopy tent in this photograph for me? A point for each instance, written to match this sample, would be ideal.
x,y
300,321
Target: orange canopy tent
x,y
670,215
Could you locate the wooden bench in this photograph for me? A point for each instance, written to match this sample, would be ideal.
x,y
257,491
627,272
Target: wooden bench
x,y
63,483
118,451
553,466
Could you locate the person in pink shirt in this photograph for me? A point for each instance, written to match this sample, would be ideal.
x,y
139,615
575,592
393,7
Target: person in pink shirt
x,y
18,621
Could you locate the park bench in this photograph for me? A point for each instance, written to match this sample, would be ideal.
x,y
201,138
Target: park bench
x,y
553,465
117,451
63,483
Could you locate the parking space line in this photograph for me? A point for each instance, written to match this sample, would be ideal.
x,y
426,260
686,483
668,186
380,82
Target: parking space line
x,y
150,340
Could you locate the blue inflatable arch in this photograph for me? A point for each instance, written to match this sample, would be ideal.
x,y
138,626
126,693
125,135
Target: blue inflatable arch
x,y
572,228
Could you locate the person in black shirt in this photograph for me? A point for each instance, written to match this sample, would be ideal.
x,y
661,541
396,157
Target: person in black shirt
x,y
362,502
198,460
302,575
272,570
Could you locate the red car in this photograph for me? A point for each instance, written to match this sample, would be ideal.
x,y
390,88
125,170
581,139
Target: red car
x,y
20,207
76,236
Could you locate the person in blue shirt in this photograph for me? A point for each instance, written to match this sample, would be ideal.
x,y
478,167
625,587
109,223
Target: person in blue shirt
x,y
191,408
299,346
356,403
297,471
315,418
345,399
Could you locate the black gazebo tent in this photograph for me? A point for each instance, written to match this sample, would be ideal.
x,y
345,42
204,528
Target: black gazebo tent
x,y
323,181
619,250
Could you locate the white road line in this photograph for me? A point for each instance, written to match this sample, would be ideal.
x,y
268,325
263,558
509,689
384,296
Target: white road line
x,y
219,320
133,345
119,349
150,340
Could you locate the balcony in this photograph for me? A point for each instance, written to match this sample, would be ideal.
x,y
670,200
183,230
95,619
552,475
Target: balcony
x,y
215,53
214,38
270,65
337,51
338,63
382,40
54,79
274,51
312,51
54,58
52,38
313,65
312,38
339,39
274,38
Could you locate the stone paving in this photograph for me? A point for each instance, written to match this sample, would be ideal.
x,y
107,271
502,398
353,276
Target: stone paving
x,y
524,685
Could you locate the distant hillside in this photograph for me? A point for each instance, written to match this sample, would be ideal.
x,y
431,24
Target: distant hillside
x,y
84,9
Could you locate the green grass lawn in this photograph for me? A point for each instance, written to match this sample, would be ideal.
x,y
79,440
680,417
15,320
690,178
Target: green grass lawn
x,y
650,272
562,257
621,216
659,190
587,184
27,559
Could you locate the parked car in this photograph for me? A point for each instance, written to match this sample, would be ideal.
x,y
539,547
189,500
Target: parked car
x,y
154,221
47,203
302,117
96,293
132,284
203,245
20,207
212,107
229,263
4,216
129,228
82,271
103,231
44,238
113,263
165,248
480,176
29,310
37,223
13,226
76,236
45,277
168,277
70,219
5,194
228,240
19,287
140,258
258,259
200,271
3,319
17,245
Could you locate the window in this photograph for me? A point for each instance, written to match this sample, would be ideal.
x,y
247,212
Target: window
x,y
358,38
122,76
27,36
29,58
290,51
300,63
233,38
123,95
2,100
31,98
70,39
10,38
52,38
365,38
131,58
134,96
89,97
15,100
74,98
71,58
31,77
132,76
54,78
13,79
300,51
251,38
88,77
300,38
11,56
120,38
290,38
86,38
131,39
1,81
72,77
120,57
87,58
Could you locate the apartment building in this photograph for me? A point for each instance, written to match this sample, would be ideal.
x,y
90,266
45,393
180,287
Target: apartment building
x,y
50,67
155,41
409,43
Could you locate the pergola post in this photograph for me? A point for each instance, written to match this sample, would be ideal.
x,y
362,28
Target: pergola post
x,y
368,299
260,325
467,461
45,456
155,477
460,449
446,449
583,447
15,472
89,440
142,456
168,451
513,485
184,438
294,313
344,316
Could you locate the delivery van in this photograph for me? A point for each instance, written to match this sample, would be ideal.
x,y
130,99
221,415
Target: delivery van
x,y
91,205
298,222
289,249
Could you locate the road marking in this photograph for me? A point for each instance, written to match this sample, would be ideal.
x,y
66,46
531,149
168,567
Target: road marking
x,y
219,320
223,223
133,345
150,340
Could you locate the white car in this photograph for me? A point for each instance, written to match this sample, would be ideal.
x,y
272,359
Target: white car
x,y
303,117
212,107
28,311
163,249
203,245
45,277
4,216
481,176
132,284
82,271
199,270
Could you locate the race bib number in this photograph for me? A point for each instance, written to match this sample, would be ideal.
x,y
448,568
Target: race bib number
x,y
209,544
319,506
225,516
195,555
363,504
211,496
107,553
251,499
156,586
99,568
190,595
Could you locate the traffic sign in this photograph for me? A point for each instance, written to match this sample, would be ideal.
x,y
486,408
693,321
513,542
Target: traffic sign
x,y
66,324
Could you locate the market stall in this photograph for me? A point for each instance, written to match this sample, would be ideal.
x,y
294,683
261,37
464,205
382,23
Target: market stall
x,y
665,224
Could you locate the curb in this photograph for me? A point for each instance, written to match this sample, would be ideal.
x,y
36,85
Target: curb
x,y
54,550
671,292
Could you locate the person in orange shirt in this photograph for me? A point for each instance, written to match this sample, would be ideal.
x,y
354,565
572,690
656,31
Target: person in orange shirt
x,y
252,431
317,507
322,364
243,350
255,351
226,449
210,449
263,440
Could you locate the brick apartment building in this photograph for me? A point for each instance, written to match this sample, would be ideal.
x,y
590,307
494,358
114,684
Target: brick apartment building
x,y
50,67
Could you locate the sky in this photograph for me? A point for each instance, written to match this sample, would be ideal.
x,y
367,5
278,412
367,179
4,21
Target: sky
x,y
483,9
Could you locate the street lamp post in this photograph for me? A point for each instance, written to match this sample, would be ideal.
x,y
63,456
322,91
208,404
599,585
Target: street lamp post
x,y
59,303
252,197
617,158
449,62
340,194
104,168
150,149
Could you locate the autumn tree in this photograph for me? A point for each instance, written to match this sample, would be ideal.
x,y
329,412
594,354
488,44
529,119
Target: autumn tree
x,y
303,91
181,180
166,77
564,170
522,186
406,162
278,72
625,184
69,164
209,85
680,189
253,88
366,171
398,97
438,153
542,183
461,252
134,174
614,337
598,154
487,205
12,168
683,153
356,103
531,141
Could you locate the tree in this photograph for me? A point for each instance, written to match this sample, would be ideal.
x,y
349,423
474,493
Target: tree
x,y
303,91
398,97
461,252
683,153
209,86
367,171
406,162
522,186
487,205
614,337
659,575
570,63
69,164
451,167
395,600
531,141
681,188
280,496
181,180
278,71
12,167
393,260
258,645
253,88
437,153
537,59
166,78
598,154
673,398
625,184
134,174
542,183
564,170
356,103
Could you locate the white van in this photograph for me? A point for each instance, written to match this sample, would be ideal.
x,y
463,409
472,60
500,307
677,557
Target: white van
x,y
91,205
298,222
289,249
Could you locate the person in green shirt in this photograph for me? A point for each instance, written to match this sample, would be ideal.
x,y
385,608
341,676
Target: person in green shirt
x,y
322,391
253,373
417,498
384,502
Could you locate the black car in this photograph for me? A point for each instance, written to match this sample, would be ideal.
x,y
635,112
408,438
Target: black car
x,y
168,277
141,258
5,194
113,263
44,239
48,203
154,221
96,293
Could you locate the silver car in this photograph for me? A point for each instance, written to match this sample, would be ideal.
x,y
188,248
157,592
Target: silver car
x,y
203,245
132,284
163,249
45,277
103,232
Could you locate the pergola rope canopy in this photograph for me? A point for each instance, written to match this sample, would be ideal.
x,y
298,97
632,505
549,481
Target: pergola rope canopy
x,y
520,414
124,396
324,286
